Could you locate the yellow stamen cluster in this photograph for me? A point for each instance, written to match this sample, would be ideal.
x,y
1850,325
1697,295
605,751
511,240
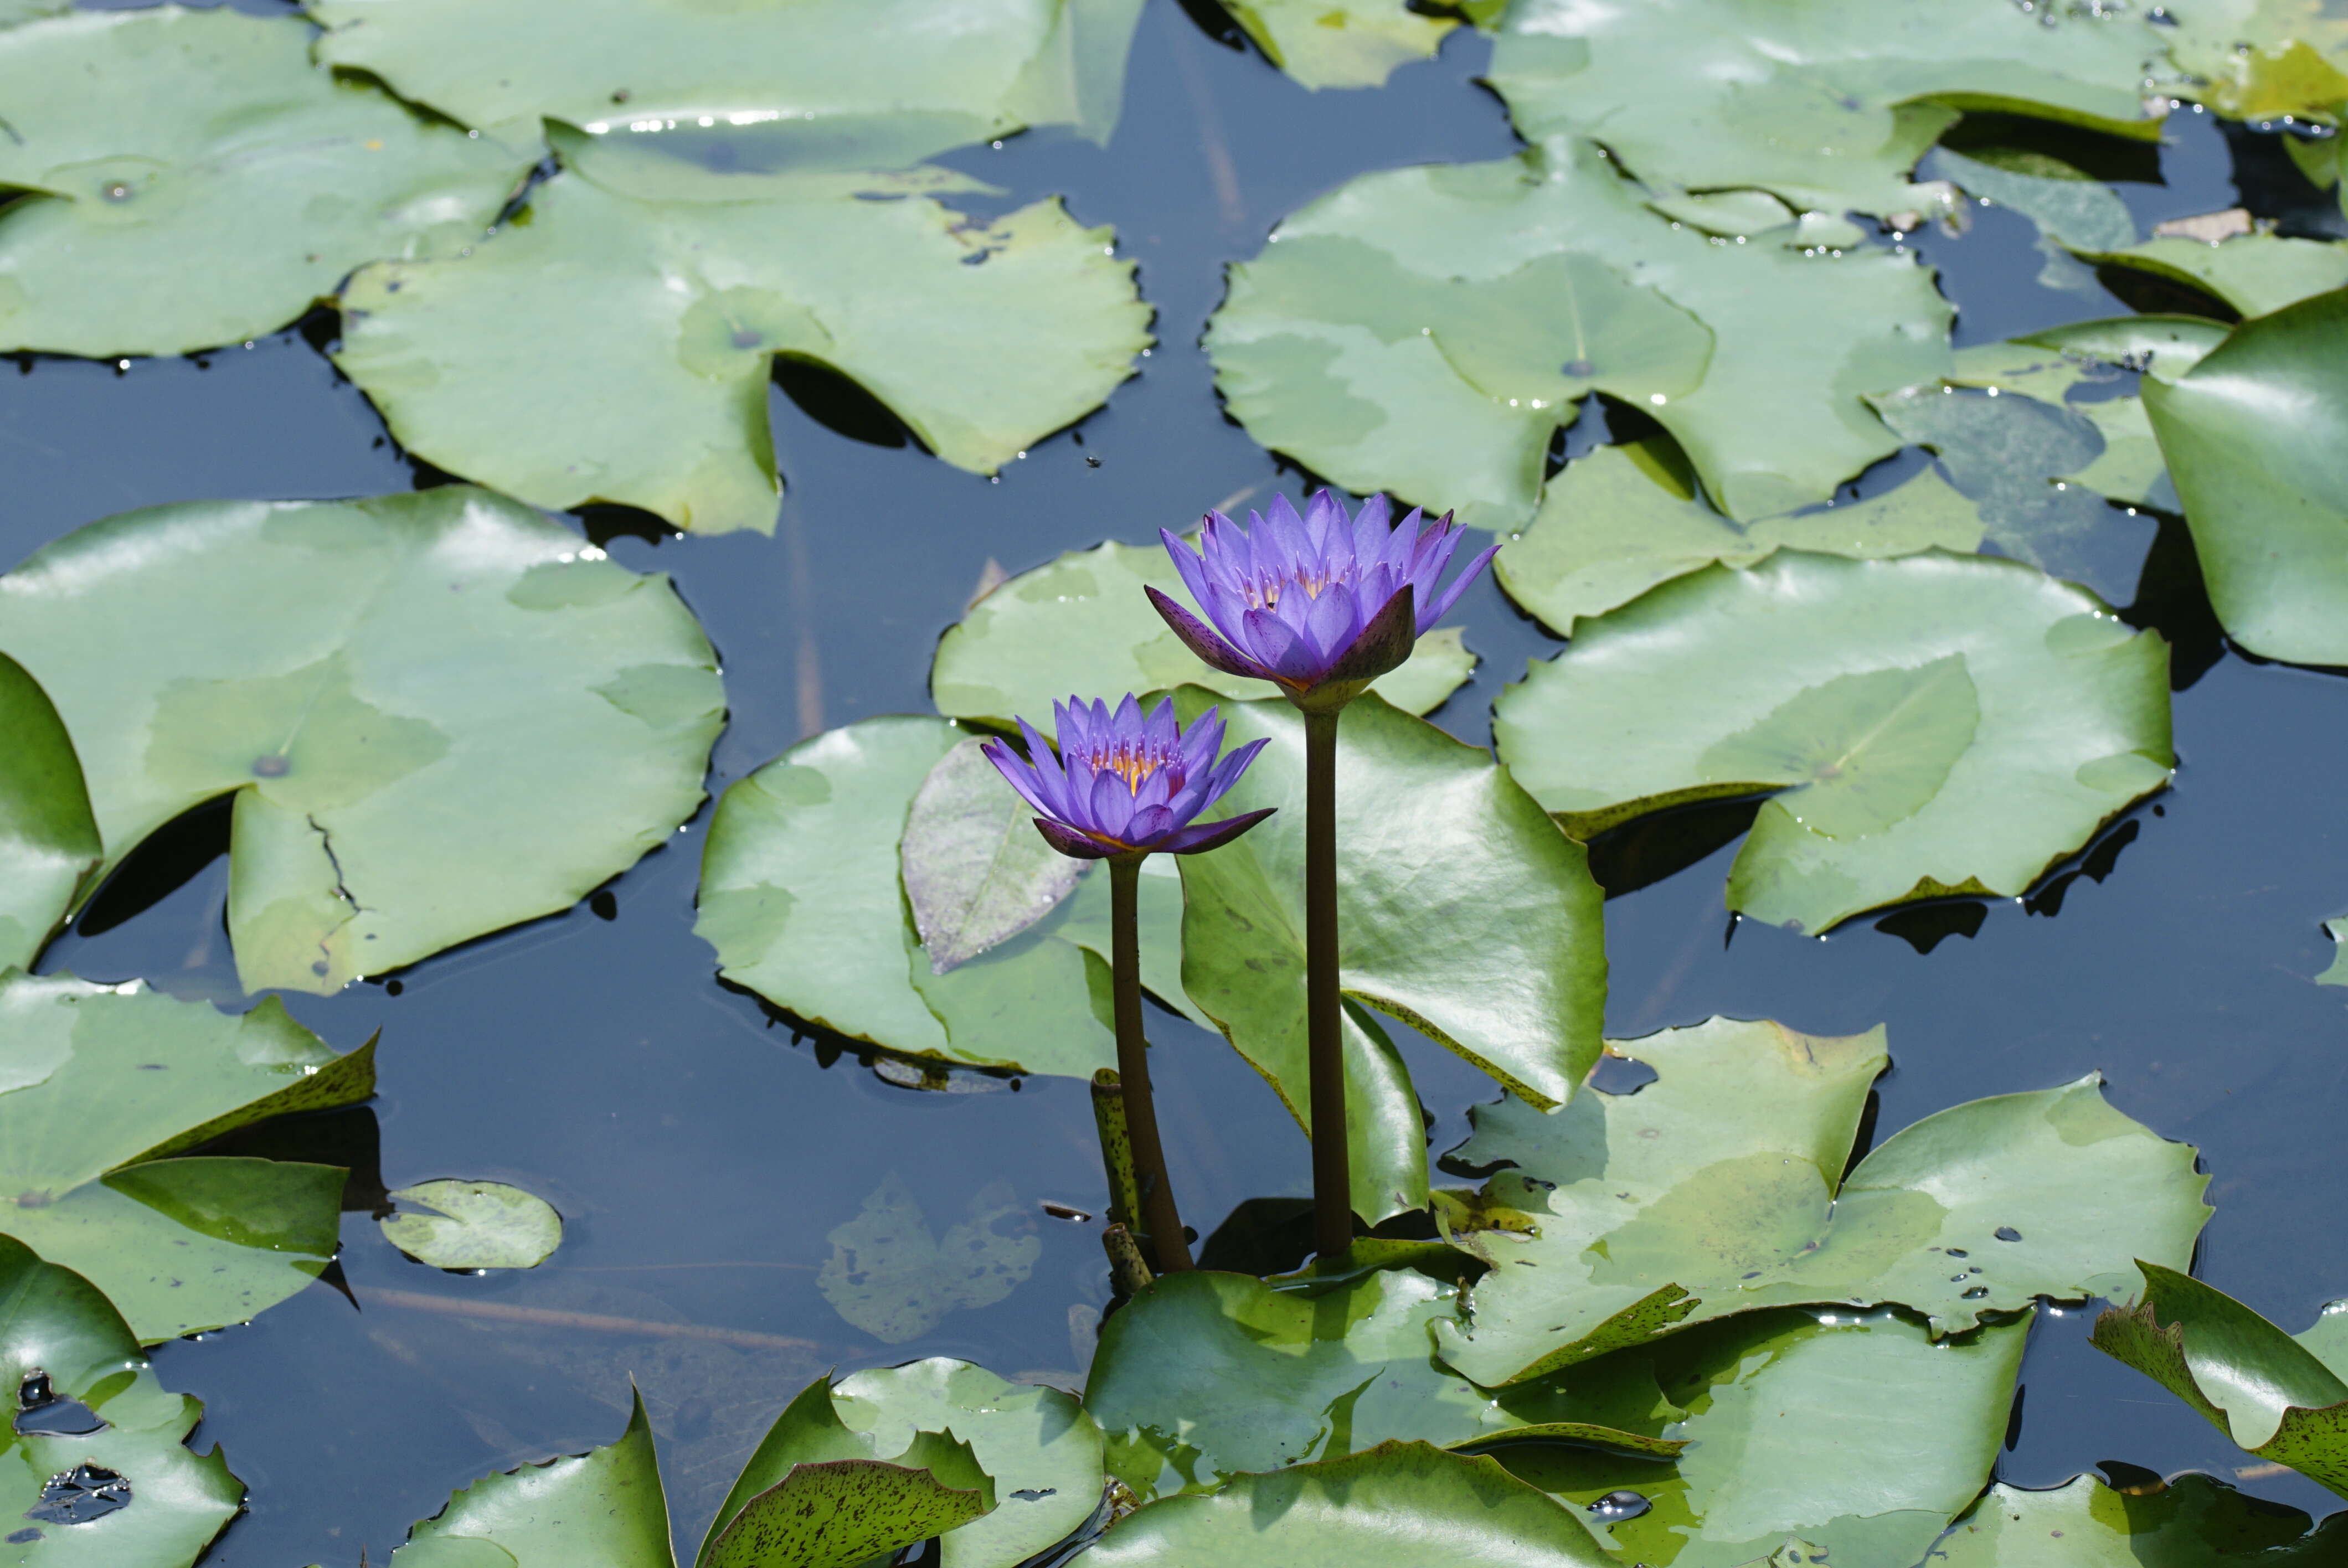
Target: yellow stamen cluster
x,y
1128,762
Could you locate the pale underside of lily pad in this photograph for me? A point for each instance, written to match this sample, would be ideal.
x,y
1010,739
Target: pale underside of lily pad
x,y
228,184
438,713
1926,726
1426,331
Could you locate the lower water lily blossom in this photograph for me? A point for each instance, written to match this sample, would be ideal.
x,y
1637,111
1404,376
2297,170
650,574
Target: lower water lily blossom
x,y
1124,784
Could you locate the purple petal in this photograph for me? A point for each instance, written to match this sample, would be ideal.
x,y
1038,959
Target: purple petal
x,y
1331,623
1227,772
1210,649
1285,653
1384,643
1189,562
1111,804
1202,741
1161,732
1018,774
1050,778
1069,841
1286,533
1149,824
1205,836
1450,596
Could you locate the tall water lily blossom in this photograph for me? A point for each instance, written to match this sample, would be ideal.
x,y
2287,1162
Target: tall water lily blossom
x,y
1122,787
1318,604
1124,784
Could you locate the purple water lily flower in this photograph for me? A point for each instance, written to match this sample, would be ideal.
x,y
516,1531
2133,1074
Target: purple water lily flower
x,y
1319,604
1126,784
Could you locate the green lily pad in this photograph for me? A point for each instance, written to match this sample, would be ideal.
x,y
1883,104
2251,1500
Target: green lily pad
x,y
1071,628
223,160
440,713
1624,519
1718,1189
1038,1446
100,1085
1936,723
1397,1505
617,350
2162,346
800,897
1463,912
1855,1433
1826,103
2067,206
1207,1375
49,840
474,1225
977,871
2260,60
1340,42
815,1492
2336,972
2250,433
821,86
2192,1522
54,1325
598,1510
2273,1395
890,1276
2253,273
1427,332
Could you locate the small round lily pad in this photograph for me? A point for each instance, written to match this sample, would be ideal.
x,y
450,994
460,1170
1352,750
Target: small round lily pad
x,y
479,1225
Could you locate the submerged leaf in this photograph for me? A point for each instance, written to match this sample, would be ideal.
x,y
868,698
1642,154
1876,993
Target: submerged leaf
x,y
2253,434
1718,1189
1398,1505
1826,103
1427,332
101,1086
2191,1521
1855,1433
1207,1375
86,1416
619,350
977,871
1068,629
438,713
1928,725
890,1276
478,1224
48,839
1465,914
220,159
800,895
598,1510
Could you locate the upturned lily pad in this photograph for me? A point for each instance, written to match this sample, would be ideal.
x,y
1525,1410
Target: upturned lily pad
x,y
100,1085
890,1276
473,1226
2252,273
49,840
1718,1189
1341,43
1936,723
438,713
2251,434
823,86
1069,629
1624,519
1427,332
616,349
817,1493
2192,1522
1206,1375
67,1359
1855,1433
598,1510
800,897
1463,912
1826,103
1398,1505
2282,1398
203,146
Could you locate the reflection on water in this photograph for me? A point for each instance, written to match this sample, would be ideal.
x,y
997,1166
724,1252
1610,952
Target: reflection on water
x,y
703,1154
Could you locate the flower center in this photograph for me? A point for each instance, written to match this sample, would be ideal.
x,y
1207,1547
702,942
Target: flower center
x,y
1264,592
1128,760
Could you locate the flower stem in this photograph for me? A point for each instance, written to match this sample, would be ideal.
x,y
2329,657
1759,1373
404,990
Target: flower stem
x,y
1332,1185
1169,1244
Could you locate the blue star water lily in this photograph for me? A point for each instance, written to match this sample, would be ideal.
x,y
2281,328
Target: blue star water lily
x,y
1124,784
1319,604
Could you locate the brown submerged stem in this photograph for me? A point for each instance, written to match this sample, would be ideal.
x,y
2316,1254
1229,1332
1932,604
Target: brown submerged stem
x,y
1333,1184
1170,1246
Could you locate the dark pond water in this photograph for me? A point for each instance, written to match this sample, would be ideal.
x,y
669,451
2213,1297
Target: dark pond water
x,y
701,1153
